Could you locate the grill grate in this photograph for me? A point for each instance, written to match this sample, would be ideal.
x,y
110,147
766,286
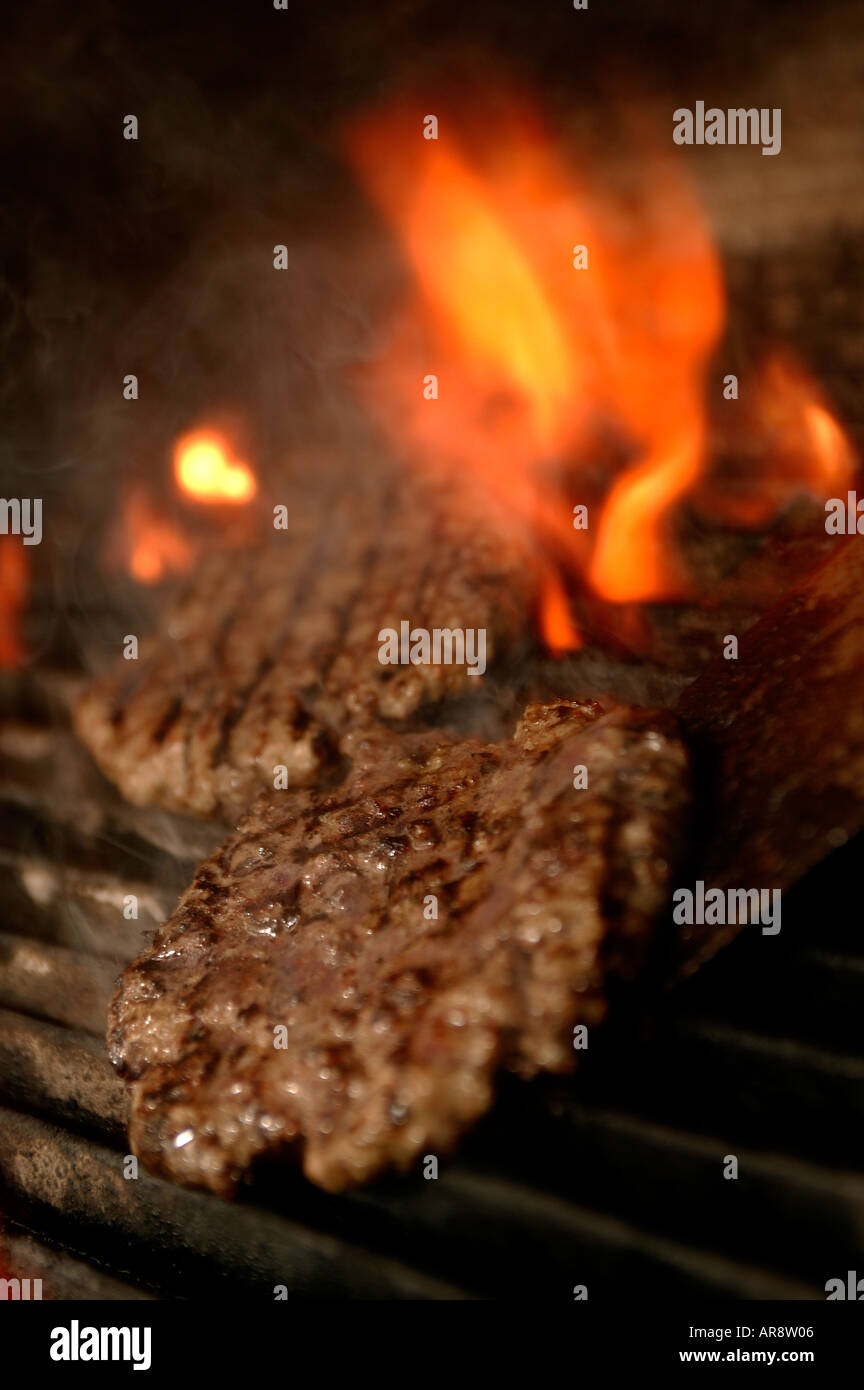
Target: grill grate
x,y
613,1179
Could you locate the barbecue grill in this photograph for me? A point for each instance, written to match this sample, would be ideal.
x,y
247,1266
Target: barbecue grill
x,y
617,1179
611,1179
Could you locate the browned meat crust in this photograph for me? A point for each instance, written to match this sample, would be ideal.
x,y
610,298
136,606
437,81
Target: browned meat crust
x,y
272,653
315,918
780,731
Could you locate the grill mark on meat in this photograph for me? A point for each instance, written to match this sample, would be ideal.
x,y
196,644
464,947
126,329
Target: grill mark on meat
x,y
302,590
224,629
117,713
367,563
233,713
396,1025
170,717
364,821
369,557
147,694
275,663
264,663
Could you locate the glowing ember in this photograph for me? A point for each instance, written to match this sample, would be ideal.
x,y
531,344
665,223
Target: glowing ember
x,y
14,590
150,545
561,323
206,470
831,450
147,544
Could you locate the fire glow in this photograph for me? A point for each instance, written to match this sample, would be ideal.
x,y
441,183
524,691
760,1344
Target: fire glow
x,y
207,471
555,318
153,546
14,592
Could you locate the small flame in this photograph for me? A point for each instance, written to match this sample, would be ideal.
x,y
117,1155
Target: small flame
x,y
148,545
801,448
557,628
831,453
815,453
14,591
206,470
631,560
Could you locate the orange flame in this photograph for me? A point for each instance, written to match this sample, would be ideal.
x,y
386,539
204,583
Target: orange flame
x,y
816,455
14,591
793,444
148,545
534,356
206,470
831,452
557,628
533,365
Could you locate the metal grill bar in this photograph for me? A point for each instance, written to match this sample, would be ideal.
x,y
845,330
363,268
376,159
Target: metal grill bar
x,y
69,987
782,1212
63,1276
757,1089
190,1242
641,1147
58,902
60,1072
67,1076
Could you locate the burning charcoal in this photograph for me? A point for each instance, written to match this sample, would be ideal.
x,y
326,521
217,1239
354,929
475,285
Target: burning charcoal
x,y
348,973
271,654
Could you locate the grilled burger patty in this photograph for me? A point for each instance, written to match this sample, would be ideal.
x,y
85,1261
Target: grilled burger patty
x,y
347,973
272,653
